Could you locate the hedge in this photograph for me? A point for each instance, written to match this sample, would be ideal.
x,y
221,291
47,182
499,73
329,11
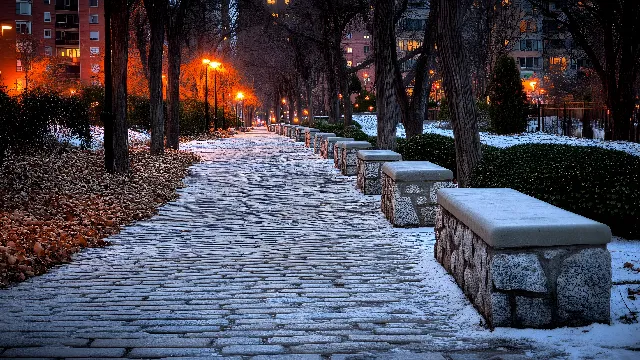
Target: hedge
x,y
600,184
340,130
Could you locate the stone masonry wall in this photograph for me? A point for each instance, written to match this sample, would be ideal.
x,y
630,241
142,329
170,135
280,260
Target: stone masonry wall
x,y
410,204
369,173
349,162
538,287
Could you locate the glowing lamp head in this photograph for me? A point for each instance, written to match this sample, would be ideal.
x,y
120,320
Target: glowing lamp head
x,y
206,61
240,96
214,64
533,84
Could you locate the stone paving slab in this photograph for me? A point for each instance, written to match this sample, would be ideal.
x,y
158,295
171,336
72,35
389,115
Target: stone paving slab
x,y
268,252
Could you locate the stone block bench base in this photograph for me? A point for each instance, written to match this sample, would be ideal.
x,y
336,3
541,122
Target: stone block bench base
x,y
309,136
328,144
348,156
369,169
318,139
542,286
409,192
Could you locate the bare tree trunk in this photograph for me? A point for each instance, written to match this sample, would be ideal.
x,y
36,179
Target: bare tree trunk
x,y
107,112
384,44
290,107
156,10
175,27
457,86
277,106
415,118
310,102
120,57
173,88
299,105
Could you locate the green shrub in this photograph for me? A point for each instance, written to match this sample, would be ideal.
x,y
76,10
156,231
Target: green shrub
x,y
508,108
192,117
594,182
350,131
74,114
434,148
8,116
138,113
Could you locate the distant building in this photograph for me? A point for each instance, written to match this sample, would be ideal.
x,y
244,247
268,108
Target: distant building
x,y
72,30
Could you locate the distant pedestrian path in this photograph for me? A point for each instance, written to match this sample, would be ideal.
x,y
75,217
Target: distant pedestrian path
x,y
267,252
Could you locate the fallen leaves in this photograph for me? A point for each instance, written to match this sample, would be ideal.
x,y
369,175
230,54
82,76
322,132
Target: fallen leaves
x,y
53,205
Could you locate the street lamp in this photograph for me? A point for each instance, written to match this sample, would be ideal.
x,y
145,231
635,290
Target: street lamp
x,y
207,120
239,97
215,66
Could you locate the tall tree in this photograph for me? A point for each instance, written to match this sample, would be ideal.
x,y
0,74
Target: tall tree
x,y
175,30
418,106
457,87
156,13
119,57
387,74
608,31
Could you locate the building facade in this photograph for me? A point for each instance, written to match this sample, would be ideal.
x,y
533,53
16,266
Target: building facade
x,y
71,31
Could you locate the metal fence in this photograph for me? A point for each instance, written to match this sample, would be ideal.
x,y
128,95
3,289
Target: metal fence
x,y
577,119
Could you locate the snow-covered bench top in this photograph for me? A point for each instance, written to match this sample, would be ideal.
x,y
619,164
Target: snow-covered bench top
x,y
333,139
311,130
354,144
405,171
379,155
506,218
321,135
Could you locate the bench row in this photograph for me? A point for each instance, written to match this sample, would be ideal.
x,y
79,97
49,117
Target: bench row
x,y
520,261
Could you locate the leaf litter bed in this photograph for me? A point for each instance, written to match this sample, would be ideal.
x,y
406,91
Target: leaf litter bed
x,y
53,205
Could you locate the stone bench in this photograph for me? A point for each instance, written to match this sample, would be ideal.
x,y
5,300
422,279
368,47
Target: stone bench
x,y
317,141
348,153
271,127
326,150
300,133
281,129
309,136
523,262
409,192
369,169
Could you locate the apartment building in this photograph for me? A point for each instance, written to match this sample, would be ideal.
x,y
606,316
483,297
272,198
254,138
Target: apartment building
x,y
32,30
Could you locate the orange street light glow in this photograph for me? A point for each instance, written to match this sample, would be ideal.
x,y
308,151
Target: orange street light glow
x,y
5,27
240,95
206,61
214,64
533,85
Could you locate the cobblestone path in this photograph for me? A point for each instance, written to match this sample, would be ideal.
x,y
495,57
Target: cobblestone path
x,y
267,254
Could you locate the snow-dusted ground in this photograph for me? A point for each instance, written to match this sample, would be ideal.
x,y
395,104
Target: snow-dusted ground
x,y
97,136
369,126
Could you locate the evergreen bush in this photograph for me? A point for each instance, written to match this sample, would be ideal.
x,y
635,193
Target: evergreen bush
x,y
508,102
597,183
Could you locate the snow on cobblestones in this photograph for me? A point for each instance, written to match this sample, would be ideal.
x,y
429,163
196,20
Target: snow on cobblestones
x,y
369,126
268,251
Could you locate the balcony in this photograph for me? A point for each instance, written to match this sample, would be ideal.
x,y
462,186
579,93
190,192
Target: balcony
x,y
69,42
67,5
66,25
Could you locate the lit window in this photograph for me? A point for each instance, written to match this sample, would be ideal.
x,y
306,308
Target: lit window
x,y
94,35
94,51
23,27
19,65
367,36
93,19
47,33
95,68
349,50
47,16
48,51
349,36
93,3
271,2
349,63
23,8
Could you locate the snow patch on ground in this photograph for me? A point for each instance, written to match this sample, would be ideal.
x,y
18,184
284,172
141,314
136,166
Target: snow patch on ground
x,y
369,126
63,134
